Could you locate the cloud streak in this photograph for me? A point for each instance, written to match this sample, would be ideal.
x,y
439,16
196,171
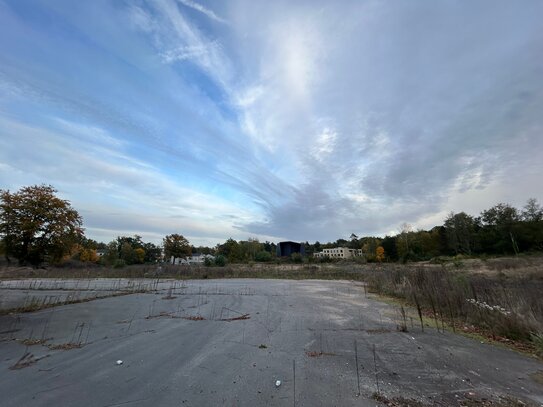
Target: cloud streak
x,y
207,12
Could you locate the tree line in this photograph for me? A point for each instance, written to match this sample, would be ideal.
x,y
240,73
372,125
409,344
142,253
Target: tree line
x,y
499,230
38,227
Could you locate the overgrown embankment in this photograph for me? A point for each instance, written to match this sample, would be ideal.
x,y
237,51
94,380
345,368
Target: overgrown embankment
x,y
502,307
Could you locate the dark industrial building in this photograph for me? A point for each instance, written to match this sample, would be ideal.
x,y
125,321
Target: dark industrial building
x,y
285,249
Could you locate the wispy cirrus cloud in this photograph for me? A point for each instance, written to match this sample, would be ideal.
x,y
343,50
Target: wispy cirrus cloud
x,y
207,12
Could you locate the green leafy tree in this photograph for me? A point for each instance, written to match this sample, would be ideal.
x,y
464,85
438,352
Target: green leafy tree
x,y
176,245
248,249
460,229
498,232
36,225
389,244
126,248
270,247
232,250
126,253
111,255
533,212
429,243
153,253
501,215
354,243
530,231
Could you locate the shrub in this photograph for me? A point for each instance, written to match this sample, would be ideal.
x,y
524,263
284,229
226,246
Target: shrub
x,y
220,260
325,259
263,256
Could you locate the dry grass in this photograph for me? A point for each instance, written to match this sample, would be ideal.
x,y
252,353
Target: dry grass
x,y
65,346
32,342
332,271
35,304
315,354
194,318
28,359
504,308
241,317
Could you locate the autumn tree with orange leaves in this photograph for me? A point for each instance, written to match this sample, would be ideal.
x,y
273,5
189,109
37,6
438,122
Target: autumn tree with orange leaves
x,y
36,225
380,254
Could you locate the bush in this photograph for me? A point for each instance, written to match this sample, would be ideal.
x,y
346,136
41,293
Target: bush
x,y
296,258
220,260
263,256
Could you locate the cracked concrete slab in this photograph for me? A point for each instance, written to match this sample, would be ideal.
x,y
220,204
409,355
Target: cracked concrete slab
x,y
182,343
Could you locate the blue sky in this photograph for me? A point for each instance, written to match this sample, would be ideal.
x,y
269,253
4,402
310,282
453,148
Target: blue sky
x,y
278,120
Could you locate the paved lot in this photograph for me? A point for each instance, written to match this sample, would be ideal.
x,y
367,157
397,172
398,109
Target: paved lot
x,y
227,342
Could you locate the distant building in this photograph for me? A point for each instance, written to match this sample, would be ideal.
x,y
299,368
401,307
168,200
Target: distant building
x,y
199,258
339,253
178,261
285,249
196,258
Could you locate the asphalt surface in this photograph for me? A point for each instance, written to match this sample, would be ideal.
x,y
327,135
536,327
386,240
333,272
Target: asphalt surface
x,y
227,343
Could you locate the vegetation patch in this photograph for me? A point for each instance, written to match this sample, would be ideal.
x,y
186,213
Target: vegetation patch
x,y
28,359
32,342
507,311
65,346
315,354
239,318
194,318
36,304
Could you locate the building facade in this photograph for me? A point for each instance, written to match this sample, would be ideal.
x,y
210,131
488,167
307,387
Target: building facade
x,y
339,253
285,249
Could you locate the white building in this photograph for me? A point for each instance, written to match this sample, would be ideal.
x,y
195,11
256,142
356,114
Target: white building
x,y
339,253
196,258
179,261
199,258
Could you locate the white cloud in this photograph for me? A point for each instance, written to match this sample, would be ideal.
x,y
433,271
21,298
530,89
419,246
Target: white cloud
x,y
209,13
188,52
324,144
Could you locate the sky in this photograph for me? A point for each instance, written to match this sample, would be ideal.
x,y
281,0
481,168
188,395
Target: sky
x,y
280,120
